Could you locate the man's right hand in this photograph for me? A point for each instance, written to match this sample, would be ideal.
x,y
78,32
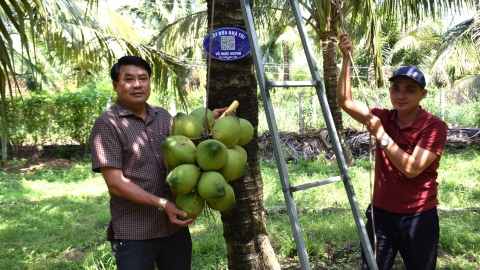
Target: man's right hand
x,y
173,212
375,127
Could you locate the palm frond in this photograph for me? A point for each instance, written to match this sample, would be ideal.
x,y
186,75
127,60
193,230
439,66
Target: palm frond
x,y
454,35
470,82
410,12
476,31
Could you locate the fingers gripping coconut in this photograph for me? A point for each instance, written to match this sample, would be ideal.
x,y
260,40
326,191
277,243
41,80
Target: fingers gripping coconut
x,y
203,153
177,215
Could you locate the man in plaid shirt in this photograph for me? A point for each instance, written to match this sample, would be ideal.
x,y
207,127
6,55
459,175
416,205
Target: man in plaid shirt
x,y
126,148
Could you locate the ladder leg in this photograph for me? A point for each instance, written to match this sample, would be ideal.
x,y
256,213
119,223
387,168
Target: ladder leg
x,y
282,169
334,138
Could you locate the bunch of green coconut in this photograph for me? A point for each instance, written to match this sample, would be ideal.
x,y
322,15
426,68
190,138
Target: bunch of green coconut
x,y
200,164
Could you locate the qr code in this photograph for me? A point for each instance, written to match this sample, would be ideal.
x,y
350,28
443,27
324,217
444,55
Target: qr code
x,y
228,43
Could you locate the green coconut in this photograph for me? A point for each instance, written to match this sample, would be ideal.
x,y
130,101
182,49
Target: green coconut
x,y
186,125
235,167
183,179
240,150
177,150
211,186
211,155
200,114
227,130
246,133
191,203
226,203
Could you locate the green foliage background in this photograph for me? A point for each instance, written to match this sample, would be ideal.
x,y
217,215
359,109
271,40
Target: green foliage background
x,y
57,117
455,111
65,118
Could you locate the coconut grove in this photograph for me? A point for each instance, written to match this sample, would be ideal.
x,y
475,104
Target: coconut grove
x,y
54,83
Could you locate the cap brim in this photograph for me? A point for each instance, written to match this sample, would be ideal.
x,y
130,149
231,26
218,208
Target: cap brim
x,y
406,76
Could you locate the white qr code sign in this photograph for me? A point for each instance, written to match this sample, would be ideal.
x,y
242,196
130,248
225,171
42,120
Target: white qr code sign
x,y
227,44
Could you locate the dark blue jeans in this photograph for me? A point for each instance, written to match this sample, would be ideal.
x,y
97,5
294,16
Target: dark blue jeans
x,y
172,252
415,236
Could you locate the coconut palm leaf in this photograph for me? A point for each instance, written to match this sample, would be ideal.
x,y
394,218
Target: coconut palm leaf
x,y
175,27
409,47
468,83
476,31
79,35
398,13
409,13
457,50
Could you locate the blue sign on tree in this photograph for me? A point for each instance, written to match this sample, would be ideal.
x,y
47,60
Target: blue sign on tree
x,y
227,43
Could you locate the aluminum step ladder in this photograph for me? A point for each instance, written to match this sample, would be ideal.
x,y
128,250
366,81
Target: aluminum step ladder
x,y
316,82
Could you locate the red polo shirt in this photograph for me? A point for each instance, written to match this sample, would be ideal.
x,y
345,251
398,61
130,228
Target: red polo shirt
x,y
393,191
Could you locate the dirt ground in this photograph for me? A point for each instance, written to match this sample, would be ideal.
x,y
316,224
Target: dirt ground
x,y
32,164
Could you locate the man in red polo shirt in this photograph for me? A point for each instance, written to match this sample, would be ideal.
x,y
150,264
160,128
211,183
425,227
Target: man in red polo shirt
x,y
409,142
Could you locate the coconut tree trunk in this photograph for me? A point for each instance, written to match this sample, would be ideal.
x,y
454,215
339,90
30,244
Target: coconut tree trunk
x,y
327,25
286,61
244,227
329,52
3,118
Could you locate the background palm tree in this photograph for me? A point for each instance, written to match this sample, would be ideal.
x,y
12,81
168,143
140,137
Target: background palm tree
x,y
325,19
176,28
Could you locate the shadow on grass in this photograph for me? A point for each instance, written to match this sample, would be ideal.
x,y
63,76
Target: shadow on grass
x,y
332,241
68,231
458,194
52,233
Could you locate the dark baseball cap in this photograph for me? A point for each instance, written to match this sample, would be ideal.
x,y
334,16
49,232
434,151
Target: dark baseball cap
x,y
411,72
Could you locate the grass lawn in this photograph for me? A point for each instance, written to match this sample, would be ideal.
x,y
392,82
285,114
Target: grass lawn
x,y
55,218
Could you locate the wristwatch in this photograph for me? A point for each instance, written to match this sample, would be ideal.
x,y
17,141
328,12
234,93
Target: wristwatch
x,y
385,141
161,204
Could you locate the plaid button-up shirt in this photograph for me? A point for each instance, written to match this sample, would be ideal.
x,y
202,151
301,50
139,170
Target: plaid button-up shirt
x,y
121,140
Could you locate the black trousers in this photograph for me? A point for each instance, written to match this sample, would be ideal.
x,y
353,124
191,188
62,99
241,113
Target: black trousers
x,y
415,236
173,252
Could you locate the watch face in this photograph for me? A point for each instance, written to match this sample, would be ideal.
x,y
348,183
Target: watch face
x,y
384,142
161,205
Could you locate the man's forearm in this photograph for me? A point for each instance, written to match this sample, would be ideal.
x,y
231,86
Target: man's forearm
x,y
344,87
410,165
120,186
133,192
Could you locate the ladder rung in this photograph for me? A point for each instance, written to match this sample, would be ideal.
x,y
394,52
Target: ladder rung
x,y
316,183
291,83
